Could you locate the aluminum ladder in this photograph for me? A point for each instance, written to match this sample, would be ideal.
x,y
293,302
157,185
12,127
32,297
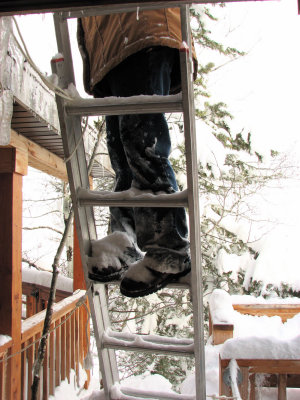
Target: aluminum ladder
x,y
70,113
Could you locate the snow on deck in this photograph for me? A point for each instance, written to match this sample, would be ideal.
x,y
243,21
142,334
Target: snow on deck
x,y
266,348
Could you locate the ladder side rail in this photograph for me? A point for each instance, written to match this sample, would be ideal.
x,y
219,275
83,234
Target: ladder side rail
x,y
193,200
85,224
71,132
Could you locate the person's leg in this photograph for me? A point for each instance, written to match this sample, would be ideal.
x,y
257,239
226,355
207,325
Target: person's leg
x,y
161,232
112,254
121,218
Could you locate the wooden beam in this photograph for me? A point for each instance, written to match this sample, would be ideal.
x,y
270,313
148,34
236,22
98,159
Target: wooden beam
x,y
267,366
10,263
284,311
13,160
39,157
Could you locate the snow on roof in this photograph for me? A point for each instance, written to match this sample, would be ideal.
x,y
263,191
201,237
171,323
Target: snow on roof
x,y
43,278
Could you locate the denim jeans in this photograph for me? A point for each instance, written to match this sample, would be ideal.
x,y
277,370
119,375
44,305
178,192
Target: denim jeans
x,y
139,146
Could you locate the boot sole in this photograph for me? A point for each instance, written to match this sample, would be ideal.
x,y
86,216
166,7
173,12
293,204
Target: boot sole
x,y
155,287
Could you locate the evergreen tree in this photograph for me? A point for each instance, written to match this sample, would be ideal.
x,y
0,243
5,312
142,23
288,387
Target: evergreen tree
x,y
225,188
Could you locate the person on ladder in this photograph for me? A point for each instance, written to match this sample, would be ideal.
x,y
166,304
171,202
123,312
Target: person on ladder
x,y
124,55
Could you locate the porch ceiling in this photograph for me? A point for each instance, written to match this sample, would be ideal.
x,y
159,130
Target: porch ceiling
x,y
33,127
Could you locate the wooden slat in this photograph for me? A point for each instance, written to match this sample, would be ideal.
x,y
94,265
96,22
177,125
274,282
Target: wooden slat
x,y
2,375
52,361
32,128
36,346
81,335
45,393
30,361
30,306
63,349
57,354
72,347
252,386
282,378
244,386
68,347
23,374
77,345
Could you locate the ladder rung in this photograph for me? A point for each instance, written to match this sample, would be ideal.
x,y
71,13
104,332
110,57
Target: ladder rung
x,y
131,198
147,343
129,6
125,105
183,283
119,392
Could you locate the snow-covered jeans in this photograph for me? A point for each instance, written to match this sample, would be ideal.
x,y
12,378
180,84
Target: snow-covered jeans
x,y
139,147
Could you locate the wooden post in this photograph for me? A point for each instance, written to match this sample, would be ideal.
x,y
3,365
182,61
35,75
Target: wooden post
x,y
13,164
282,378
79,283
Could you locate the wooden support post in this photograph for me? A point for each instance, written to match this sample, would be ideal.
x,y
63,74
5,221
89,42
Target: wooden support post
x,y
79,283
282,378
13,164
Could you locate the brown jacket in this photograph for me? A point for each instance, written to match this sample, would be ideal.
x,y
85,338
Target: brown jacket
x,y
105,41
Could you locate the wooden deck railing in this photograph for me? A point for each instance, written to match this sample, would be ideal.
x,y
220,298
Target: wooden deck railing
x,y
66,348
282,373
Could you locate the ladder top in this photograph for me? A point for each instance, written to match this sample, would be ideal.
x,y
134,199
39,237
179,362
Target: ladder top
x,y
11,7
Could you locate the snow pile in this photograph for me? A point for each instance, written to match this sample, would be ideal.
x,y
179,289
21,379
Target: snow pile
x,y
68,391
4,339
132,193
220,306
145,383
252,338
6,96
6,111
254,347
43,278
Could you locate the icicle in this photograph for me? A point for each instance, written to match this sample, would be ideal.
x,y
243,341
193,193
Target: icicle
x,y
138,13
233,368
88,361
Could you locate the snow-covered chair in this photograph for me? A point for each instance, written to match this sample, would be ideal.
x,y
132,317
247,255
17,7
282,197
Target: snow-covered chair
x,y
257,352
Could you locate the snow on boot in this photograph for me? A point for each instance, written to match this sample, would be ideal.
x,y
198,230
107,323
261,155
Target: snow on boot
x,y
111,257
141,279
